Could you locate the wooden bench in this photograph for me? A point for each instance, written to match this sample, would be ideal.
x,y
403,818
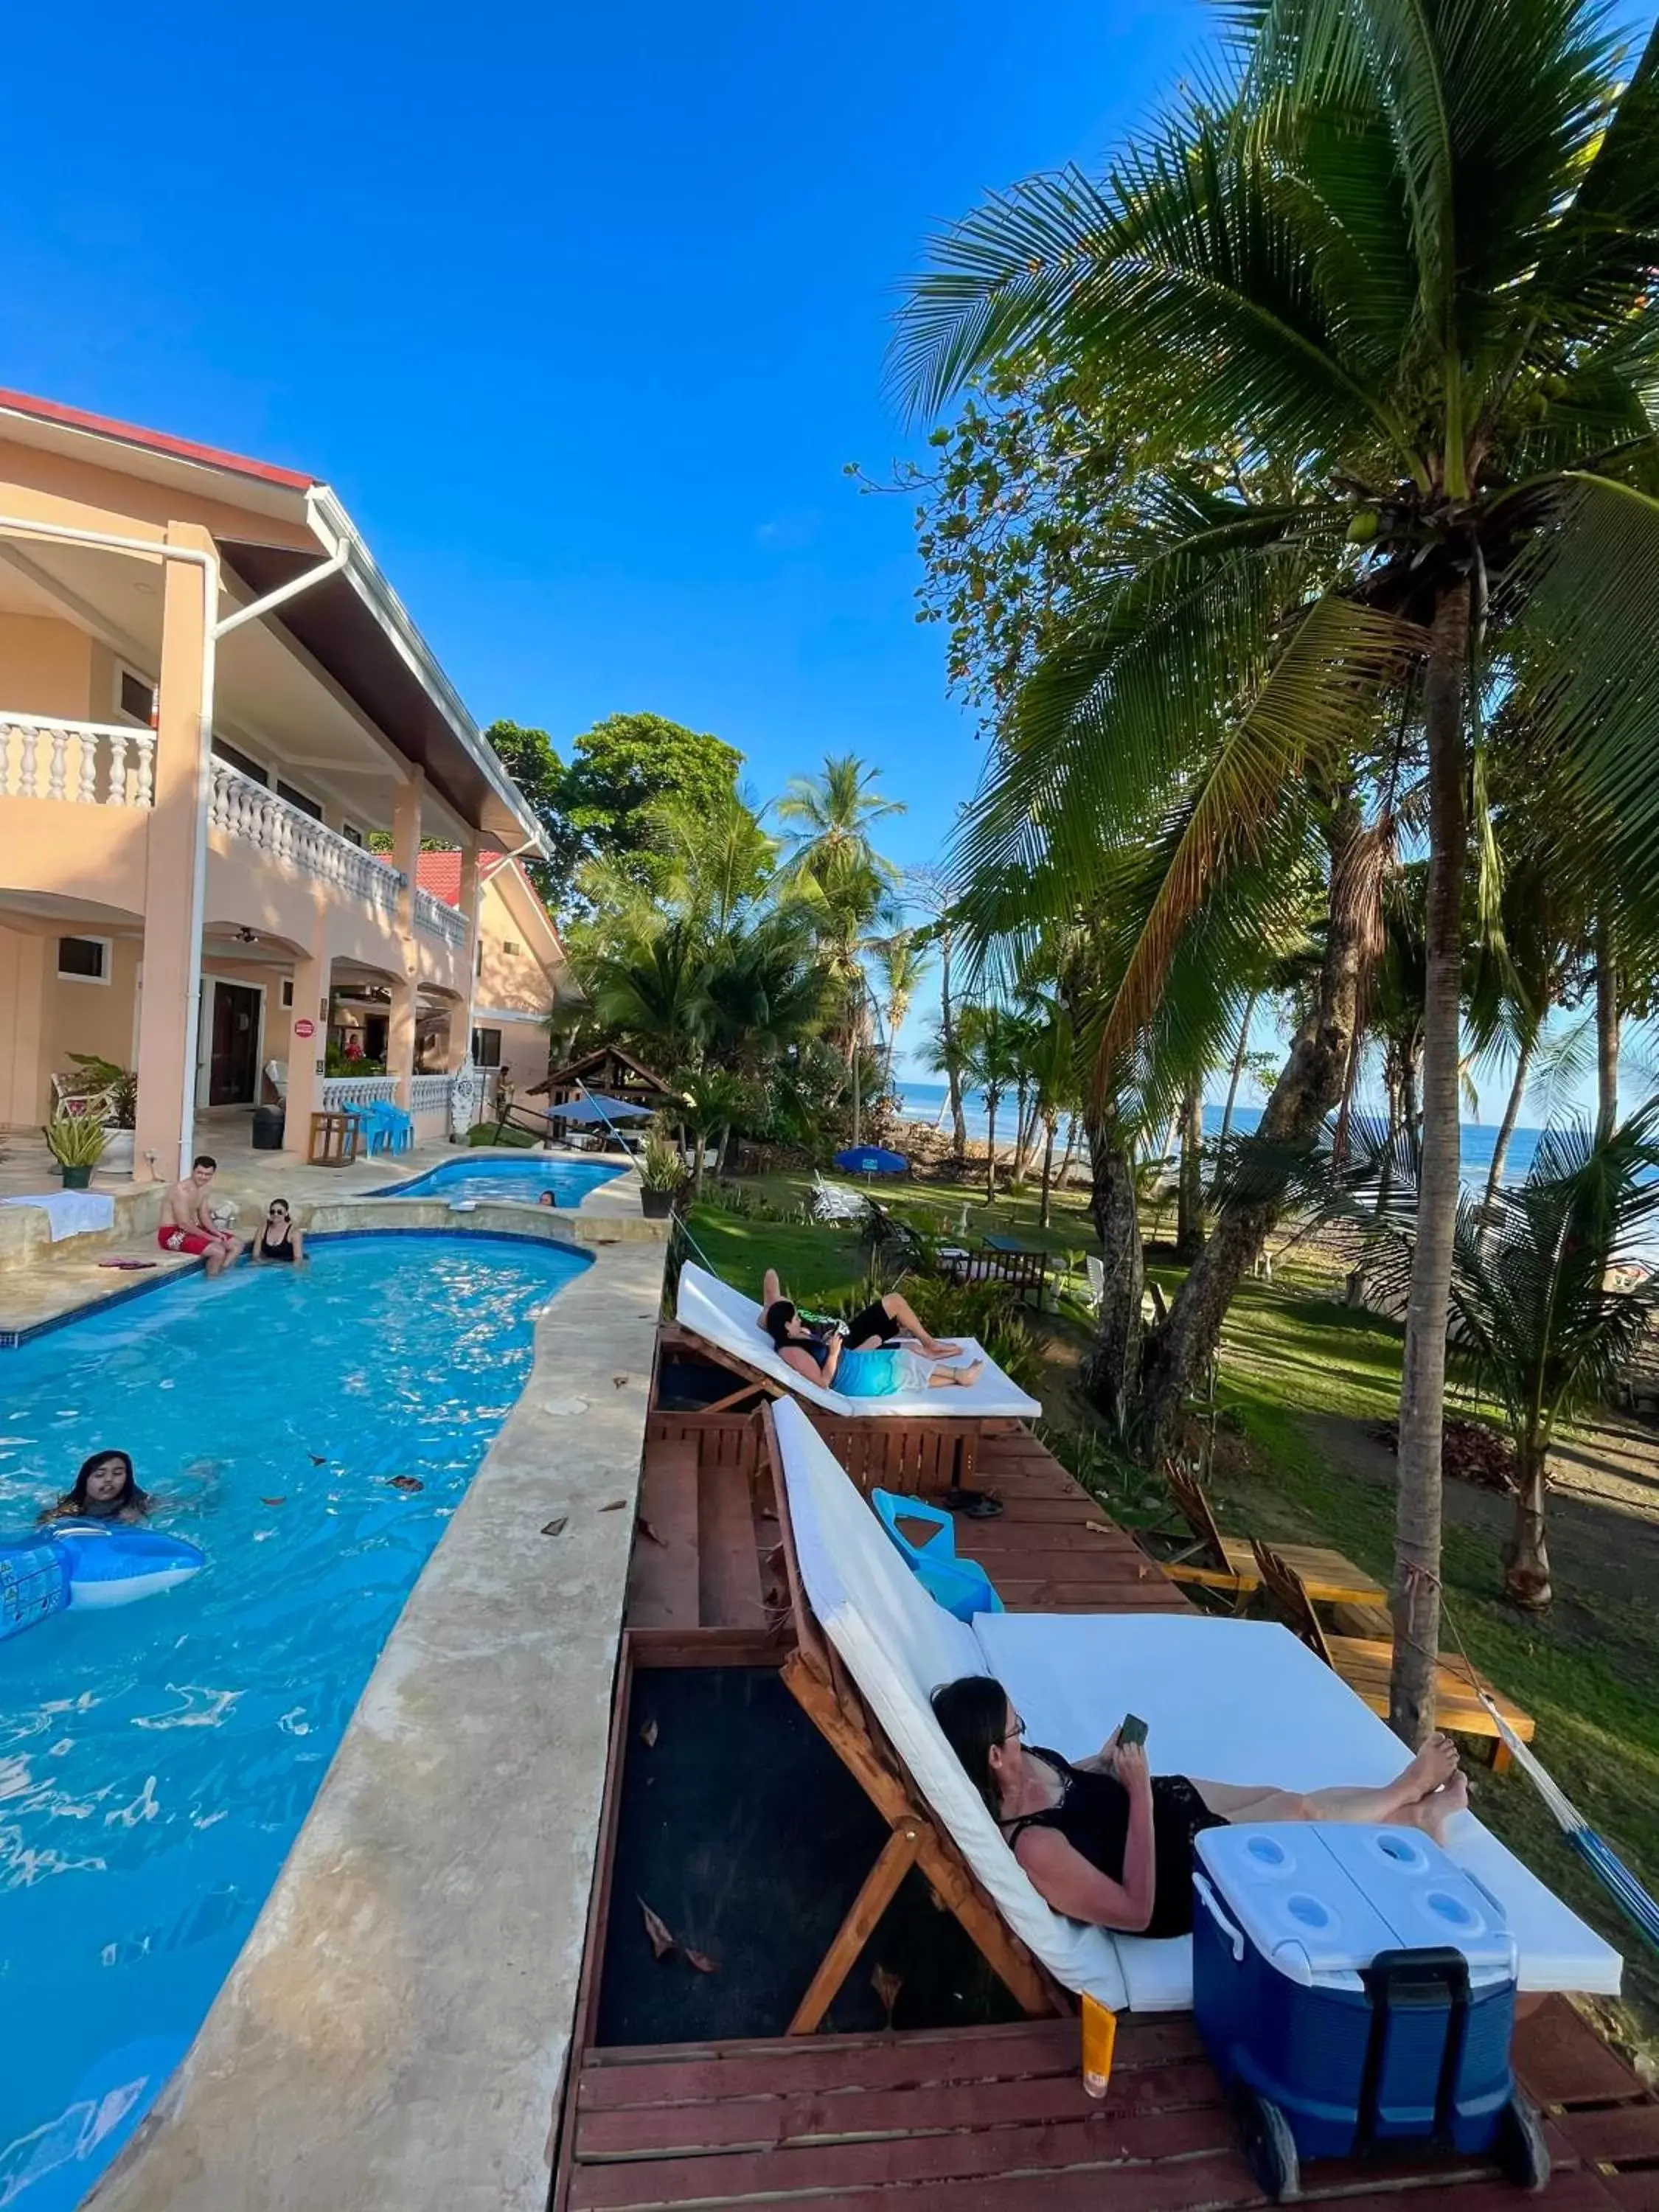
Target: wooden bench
x,y
1365,1663
1228,1564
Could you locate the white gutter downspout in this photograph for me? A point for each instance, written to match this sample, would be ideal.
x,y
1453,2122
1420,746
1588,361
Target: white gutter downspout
x,y
212,631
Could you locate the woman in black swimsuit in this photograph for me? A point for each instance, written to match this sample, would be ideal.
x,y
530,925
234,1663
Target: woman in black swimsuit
x,y
279,1239
1105,1842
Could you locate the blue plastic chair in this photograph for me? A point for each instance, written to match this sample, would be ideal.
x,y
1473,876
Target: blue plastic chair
x,y
961,1586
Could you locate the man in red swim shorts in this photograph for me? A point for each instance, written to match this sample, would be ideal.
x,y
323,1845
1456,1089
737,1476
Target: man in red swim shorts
x,y
185,1225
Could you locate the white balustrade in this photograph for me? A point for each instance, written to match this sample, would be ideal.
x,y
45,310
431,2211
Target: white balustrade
x,y
81,763
438,919
340,1091
246,809
429,1094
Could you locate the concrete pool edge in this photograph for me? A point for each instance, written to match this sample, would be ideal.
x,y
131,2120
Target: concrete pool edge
x,y
394,2030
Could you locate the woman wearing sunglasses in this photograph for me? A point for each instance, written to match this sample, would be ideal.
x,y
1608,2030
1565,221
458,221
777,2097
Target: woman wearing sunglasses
x,y
279,1238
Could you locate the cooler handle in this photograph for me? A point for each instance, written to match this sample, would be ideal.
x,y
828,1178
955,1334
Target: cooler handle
x,y
1234,1935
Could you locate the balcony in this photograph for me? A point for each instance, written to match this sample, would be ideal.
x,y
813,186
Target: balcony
x,y
439,919
86,763
255,816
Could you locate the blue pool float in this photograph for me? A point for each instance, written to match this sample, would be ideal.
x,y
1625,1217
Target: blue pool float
x,y
88,1563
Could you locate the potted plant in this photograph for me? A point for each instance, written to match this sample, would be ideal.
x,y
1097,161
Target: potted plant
x,y
114,1090
76,1141
662,1174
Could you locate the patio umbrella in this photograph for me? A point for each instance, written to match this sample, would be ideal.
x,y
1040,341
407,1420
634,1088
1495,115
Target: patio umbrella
x,y
595,1109
872,1159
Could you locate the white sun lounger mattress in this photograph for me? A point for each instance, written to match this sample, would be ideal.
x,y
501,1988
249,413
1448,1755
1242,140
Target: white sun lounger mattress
x,y
1226,1701
725,1318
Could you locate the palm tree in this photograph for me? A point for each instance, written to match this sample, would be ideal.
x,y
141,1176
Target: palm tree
x,y
901,960
1399,268
930,890
985,1041
831,816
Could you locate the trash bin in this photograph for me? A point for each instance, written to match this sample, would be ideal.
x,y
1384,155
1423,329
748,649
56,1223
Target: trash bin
x,y
267,1128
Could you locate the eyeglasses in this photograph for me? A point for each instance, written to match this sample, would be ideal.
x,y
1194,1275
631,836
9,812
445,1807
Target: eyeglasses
x,y
278,1213
1018,1729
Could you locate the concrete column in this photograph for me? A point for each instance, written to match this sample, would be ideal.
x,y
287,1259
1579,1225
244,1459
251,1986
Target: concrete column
x,y
406,853
176,860
460,1020
305,1057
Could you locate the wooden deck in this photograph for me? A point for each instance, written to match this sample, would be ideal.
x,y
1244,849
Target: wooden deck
x,y
981,2119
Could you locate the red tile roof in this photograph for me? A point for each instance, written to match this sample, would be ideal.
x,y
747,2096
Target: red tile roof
x,y
158,441
440,872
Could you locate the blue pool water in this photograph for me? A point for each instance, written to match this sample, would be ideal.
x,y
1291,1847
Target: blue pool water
x,y
526,1177
156,1761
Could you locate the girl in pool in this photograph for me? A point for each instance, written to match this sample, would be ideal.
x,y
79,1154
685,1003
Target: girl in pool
x,y
279,1238
837,1359
104,1490
1104,1841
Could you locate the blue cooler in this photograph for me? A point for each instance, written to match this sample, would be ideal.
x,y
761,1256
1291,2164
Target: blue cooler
x,y
1355,1989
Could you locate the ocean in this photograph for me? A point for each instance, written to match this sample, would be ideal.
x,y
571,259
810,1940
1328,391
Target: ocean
x,y
925,1101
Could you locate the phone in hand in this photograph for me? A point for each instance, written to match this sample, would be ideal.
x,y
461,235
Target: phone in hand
x,y
1132,1730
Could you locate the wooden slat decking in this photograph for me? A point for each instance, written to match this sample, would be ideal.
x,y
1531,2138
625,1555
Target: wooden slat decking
x,y
997,2117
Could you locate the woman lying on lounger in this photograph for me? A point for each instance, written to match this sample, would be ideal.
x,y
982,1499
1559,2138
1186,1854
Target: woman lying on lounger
x,y
1105,1842
887,1327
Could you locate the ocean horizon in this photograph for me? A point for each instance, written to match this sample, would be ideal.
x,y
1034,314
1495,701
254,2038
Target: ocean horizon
x,y
927,1102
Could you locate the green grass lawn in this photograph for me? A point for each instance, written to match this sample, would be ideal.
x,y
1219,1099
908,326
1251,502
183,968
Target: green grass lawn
x,y
1589,1674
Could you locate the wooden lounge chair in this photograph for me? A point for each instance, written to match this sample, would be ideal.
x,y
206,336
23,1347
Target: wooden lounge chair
x,y
1365,1662
823,1688
1229,1564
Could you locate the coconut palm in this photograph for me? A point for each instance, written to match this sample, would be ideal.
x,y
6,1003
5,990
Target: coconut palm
x,y
901,961
1394,277
985,1042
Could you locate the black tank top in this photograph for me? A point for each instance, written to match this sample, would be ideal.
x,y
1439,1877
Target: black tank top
x,y
1093,1816
282,1251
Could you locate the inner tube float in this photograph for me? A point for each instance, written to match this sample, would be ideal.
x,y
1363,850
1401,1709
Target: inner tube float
x,y
87,1565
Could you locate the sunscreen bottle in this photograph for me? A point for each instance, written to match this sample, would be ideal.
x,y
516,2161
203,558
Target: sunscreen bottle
x,y
1099,2040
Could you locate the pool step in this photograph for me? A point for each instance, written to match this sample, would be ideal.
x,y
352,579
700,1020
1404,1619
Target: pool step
x,y
695,1563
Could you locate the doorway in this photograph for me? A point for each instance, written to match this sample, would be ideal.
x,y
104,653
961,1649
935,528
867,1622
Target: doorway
x,y
233,1065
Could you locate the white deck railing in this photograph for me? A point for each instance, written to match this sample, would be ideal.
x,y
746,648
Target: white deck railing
x,y
247,811
438,919
85,764
341,1090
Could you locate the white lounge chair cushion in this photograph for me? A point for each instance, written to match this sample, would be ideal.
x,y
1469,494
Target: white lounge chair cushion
x,y
724,1317
1227,1700
898,1646
1243,1701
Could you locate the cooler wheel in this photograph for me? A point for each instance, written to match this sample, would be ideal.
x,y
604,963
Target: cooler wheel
x,y
1523,2155
1269,2147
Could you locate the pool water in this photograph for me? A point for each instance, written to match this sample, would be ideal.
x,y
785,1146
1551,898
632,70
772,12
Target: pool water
x,y
156,1761
526,1178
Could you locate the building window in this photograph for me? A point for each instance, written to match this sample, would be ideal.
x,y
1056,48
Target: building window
x,y
352,835
313,807
242,762
135,698
486,1047
287,990
83,959
510,945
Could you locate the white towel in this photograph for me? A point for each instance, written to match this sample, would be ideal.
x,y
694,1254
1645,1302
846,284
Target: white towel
x,y
72,1212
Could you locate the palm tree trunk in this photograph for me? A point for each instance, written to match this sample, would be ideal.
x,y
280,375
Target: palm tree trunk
x,y
1189,1197
1385,1180
1111,1369
947,1038
1074,1124
1500,1151
1308,1086
1232,1092
990,1145
1526,1560
1415,1599
1047,1168
1411,1113
1607,1029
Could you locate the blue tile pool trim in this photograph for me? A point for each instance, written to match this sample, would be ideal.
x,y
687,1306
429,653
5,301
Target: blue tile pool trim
x,y
12,1339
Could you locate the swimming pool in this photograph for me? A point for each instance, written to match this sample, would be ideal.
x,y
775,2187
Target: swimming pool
x,y
526,1177
156,1761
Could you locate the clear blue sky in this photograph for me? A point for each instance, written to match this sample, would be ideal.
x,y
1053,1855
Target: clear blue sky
x,y
580,309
